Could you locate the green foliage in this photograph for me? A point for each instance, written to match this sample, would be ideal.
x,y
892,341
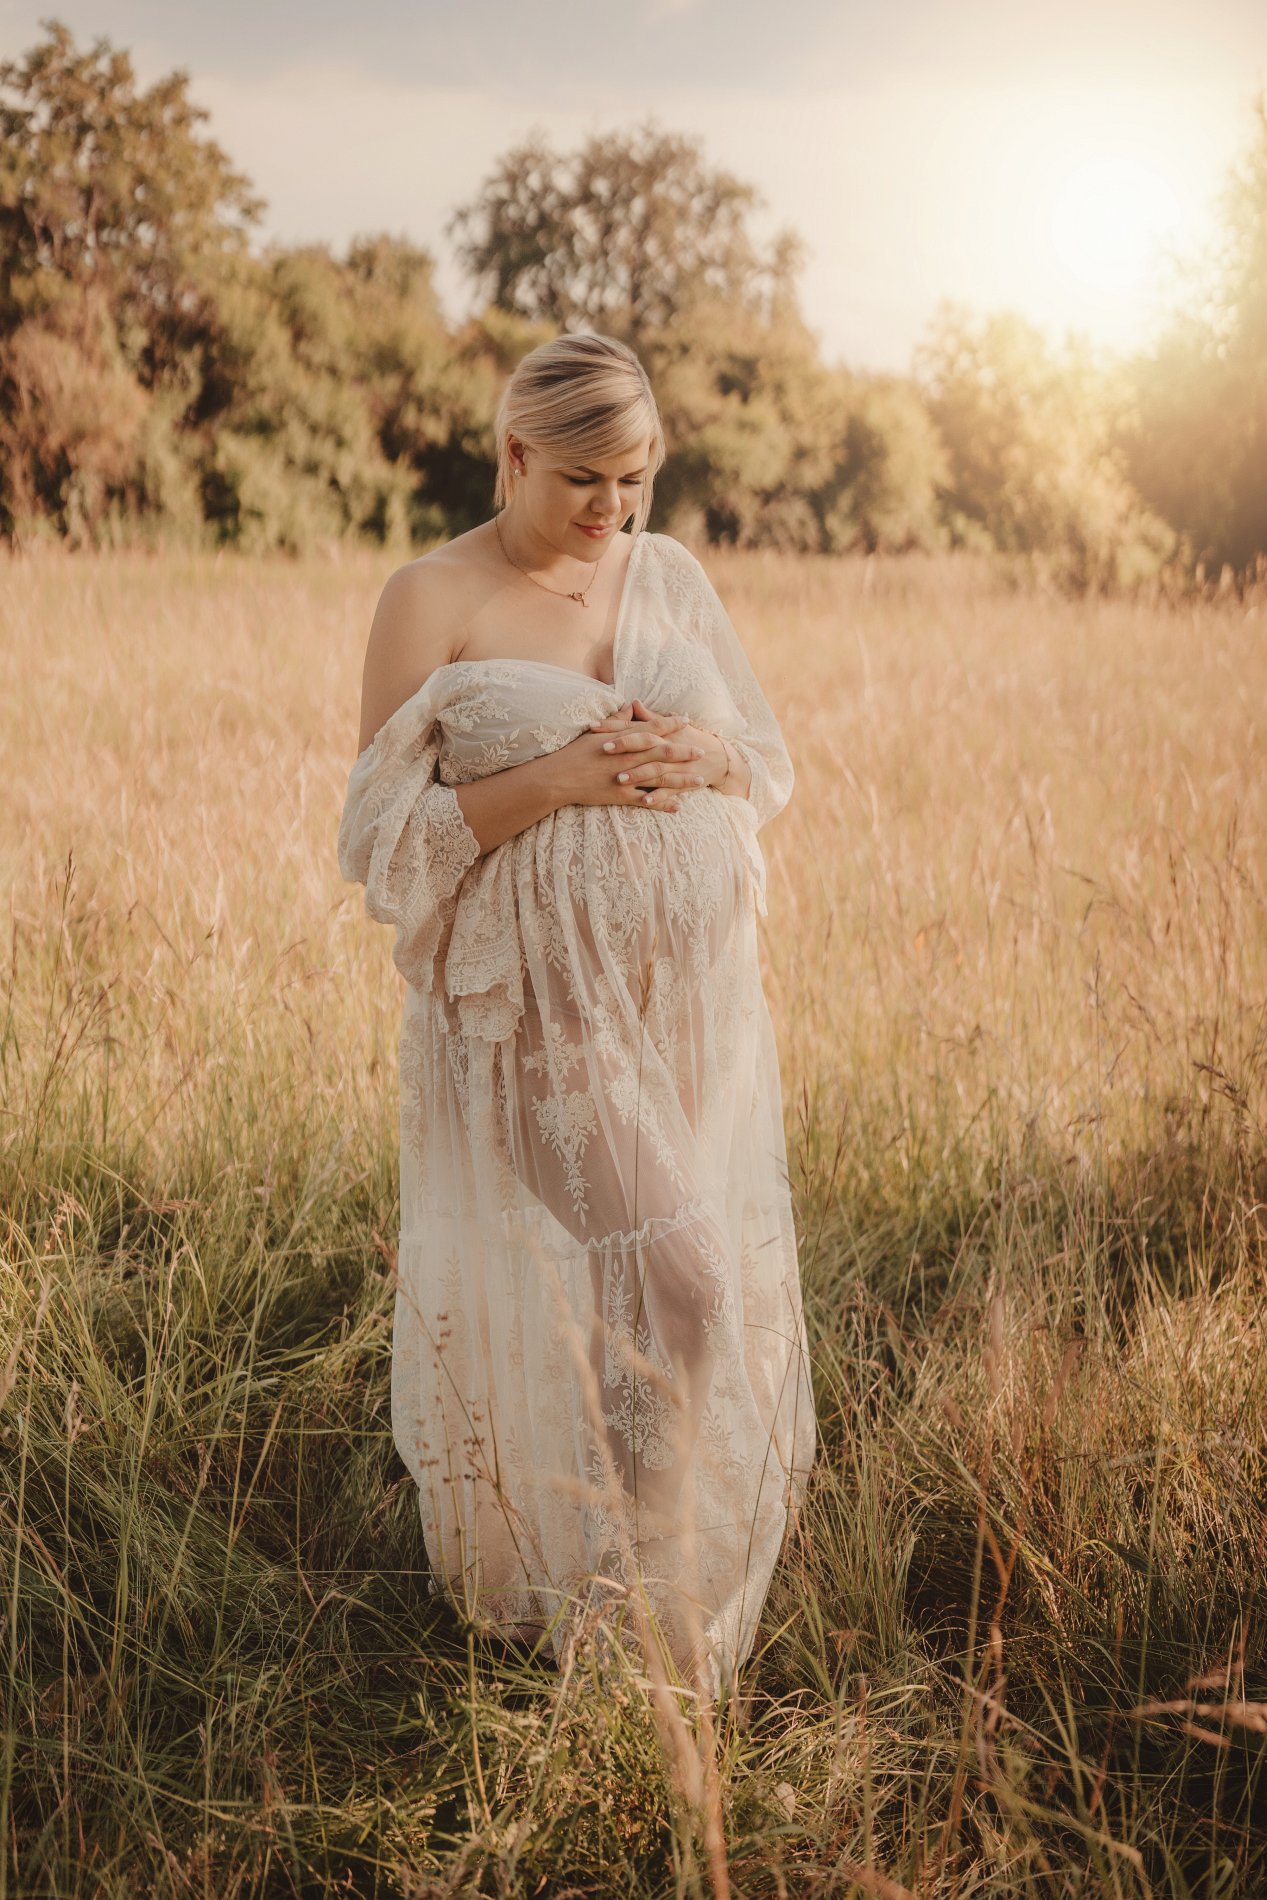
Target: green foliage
x,y
106,186
1033,466
159,382
749,412
623,235
114,214
1197,442
771,448
883,497
768,447
293,457
162,383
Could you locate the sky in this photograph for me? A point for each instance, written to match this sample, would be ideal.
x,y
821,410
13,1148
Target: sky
x,y
1052,159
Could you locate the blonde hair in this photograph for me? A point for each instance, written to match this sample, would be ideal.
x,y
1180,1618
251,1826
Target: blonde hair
x,y
579,398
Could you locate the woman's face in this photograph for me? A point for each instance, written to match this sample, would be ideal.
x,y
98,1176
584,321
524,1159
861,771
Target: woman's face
x,y
578,506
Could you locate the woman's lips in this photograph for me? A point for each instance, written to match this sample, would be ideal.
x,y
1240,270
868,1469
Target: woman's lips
x,y
595,533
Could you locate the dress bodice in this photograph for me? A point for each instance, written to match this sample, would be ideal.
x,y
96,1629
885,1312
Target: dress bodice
x,y
498,713
459,914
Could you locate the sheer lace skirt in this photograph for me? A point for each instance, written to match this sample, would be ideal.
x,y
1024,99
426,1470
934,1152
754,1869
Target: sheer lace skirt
x,y
599,1365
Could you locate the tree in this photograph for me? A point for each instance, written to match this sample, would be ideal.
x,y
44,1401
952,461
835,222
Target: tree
x,y
889,472
622,235
157,379
105,186
1197,442
1034,469
117,222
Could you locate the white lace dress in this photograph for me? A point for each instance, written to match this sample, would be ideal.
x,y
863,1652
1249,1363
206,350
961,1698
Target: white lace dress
x,y
599,1361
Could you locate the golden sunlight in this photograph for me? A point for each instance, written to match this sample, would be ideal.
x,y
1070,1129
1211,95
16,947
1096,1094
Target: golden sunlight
x,y
1108,220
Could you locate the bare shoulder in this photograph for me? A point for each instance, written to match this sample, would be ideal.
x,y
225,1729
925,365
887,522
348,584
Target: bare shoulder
x,y
437,581
418,625
425,604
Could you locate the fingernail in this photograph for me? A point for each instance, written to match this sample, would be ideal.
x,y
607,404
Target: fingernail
x,y
610,746
621,777
697,781
646,798
697,751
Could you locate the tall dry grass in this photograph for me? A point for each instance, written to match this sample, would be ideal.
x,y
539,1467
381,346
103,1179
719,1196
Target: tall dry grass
x,y
1017,962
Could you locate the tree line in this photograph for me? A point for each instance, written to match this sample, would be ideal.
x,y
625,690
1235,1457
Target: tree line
x,y
163,383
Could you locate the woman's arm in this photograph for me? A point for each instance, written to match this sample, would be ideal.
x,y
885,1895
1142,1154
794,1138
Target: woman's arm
x,y
506,802
412,635
585,771
725,767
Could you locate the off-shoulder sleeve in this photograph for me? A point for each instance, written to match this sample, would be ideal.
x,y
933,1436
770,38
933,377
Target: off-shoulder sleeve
x,y
402,835
758,737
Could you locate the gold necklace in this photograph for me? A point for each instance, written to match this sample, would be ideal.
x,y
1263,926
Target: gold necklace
x,y
578,595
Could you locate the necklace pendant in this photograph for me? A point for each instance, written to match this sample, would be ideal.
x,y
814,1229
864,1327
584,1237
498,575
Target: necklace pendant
x,y
577,596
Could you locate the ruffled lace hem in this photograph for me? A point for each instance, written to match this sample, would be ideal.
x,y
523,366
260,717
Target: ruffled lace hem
x,y
403,836
655,1227
484,975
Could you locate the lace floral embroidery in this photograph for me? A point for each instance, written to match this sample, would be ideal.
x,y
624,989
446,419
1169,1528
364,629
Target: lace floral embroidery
x,y
599,1366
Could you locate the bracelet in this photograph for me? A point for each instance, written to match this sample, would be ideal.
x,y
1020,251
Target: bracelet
x,y
730,764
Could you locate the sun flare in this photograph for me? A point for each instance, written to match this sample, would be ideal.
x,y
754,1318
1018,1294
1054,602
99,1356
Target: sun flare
x,y
1109,220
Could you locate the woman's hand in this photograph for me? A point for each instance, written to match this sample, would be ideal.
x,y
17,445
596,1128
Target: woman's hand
x,y
633,757
635,728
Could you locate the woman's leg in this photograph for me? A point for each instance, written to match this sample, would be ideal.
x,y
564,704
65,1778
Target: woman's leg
x,y
617,1171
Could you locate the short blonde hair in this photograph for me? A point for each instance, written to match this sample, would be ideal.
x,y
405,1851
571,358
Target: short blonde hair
x,y
579,398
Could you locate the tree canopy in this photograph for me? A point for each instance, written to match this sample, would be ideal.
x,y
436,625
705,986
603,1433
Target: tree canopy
x,y
625,234
1197,441
161,378
1034,463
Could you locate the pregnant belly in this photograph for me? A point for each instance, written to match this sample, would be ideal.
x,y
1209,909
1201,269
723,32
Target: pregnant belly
x,y
595,909
621,886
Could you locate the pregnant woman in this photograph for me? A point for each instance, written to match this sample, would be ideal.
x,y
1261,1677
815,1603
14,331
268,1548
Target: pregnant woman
x,y
600,1379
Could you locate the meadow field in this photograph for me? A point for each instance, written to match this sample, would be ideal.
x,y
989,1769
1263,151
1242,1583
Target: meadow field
x,y
1016,954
